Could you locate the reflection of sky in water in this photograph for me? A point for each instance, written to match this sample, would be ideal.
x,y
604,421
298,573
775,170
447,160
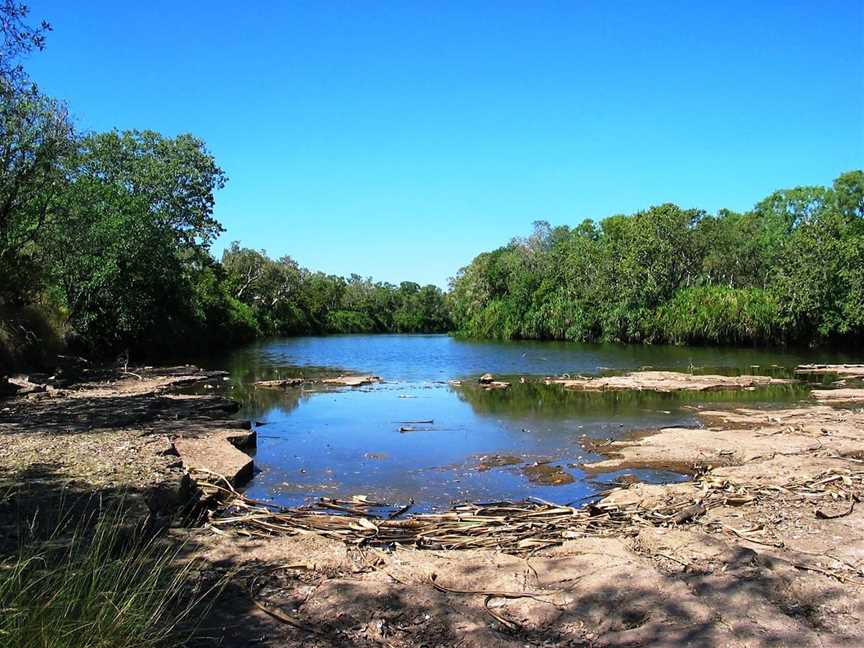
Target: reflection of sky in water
x,y
347,442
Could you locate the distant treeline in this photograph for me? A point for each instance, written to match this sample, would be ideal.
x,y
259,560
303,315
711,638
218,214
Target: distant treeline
x,y
105,242
280,298
789,271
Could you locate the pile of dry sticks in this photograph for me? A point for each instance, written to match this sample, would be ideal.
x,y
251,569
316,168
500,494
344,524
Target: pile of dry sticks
x,y
513,527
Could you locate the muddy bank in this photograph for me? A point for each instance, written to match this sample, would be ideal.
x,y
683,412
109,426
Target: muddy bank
x,y
666,381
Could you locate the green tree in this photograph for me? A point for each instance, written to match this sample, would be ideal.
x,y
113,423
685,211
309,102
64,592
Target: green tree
x,y
818,278
790,270
137,214
176,177
36,140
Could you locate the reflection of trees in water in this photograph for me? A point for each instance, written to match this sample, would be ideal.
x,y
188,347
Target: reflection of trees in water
x,y
555,402
249,367
257,401
252,364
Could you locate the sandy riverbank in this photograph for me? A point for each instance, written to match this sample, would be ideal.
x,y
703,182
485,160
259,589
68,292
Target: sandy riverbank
x,y
765,546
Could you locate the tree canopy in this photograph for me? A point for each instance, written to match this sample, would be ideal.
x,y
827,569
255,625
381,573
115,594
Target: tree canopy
x,y
788,271
289,300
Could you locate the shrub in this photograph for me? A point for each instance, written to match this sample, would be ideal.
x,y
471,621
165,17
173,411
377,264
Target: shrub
x,y
30,335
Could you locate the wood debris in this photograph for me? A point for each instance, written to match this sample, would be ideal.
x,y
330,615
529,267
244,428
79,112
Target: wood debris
x,y
519,527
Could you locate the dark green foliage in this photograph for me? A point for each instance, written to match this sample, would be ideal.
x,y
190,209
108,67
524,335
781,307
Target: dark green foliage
x,y
287,300
342,321
419,309
222,320
718,315
174,177
30,335
35,142
136,211
789,271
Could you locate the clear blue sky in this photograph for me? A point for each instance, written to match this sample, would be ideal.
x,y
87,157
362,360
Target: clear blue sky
x,y
399,139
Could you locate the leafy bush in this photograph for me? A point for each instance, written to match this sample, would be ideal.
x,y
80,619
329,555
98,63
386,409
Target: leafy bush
x,y
788,271
30,335
342,321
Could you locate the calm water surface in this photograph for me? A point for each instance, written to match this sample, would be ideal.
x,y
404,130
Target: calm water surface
x,y
378,441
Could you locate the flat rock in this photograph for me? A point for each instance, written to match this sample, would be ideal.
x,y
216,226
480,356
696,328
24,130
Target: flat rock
x,y
848,370
848,395
666,381
279,384
215,454
352,381
495,384
675,447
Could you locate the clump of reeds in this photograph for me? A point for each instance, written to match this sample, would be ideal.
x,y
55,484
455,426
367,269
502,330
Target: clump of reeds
x,y
94,582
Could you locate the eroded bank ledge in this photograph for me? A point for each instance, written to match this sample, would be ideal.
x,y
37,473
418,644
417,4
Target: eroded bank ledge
x,y
129,433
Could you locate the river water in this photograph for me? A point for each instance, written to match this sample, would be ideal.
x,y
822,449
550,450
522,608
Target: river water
x,y
416,437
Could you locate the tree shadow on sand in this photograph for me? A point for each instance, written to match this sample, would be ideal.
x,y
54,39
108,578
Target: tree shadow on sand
x,y
83,414
579,599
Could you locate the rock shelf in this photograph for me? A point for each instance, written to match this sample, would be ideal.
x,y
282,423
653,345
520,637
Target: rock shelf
x,y
846,370
666,381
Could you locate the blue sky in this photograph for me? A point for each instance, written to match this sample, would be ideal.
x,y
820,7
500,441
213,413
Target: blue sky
x,y
399,139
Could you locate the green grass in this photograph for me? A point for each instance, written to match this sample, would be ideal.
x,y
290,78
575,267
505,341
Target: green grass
x,y
100,585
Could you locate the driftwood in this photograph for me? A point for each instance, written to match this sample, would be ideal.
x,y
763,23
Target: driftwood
x,y
514,527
